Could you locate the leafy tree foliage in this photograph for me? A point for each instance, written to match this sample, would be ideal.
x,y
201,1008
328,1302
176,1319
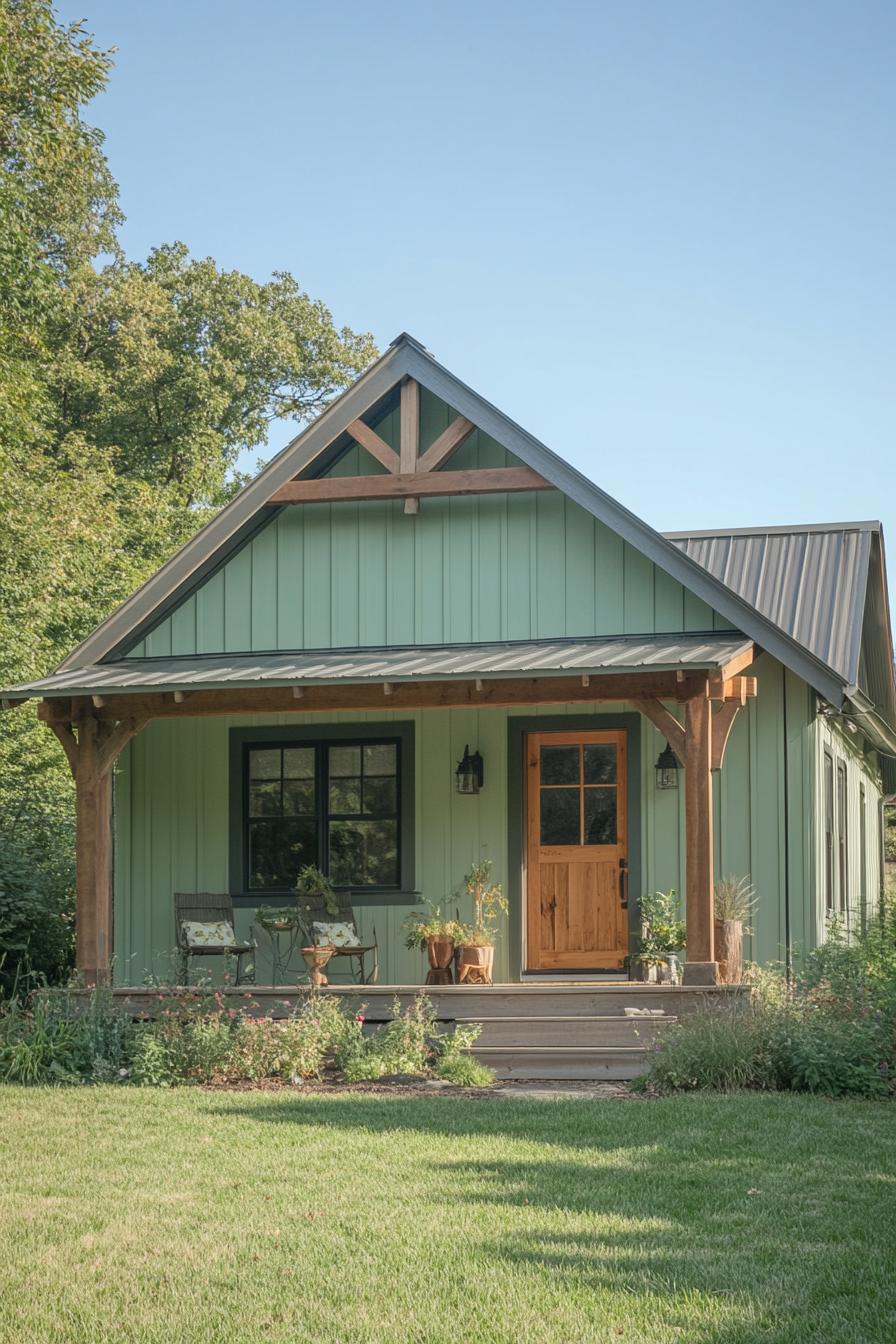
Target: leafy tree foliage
x,y
127,391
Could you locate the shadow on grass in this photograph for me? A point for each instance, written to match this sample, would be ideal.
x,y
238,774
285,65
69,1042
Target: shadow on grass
x,y
723,1227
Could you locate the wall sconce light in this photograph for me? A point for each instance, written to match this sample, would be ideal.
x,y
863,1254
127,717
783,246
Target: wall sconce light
x,y
667,769
470,772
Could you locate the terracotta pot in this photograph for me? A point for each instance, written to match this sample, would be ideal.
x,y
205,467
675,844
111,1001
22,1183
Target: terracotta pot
x,y
474,965
729,939
440,952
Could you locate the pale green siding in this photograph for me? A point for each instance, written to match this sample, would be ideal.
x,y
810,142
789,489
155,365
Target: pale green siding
x,y
171,810
484,568
861,898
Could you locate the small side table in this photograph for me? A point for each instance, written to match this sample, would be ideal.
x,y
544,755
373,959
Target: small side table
x,y
284,939
316,959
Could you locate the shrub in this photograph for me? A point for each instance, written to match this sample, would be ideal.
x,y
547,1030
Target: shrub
x,y
58,1037
832,1030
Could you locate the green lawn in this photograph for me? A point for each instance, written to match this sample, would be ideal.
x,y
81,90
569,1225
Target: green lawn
x,y
131,1215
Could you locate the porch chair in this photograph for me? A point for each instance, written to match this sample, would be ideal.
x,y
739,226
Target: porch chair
x,y
314,911
214,910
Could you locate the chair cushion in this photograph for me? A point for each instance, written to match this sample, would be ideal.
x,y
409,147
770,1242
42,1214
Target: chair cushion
x,y
335,935
212,934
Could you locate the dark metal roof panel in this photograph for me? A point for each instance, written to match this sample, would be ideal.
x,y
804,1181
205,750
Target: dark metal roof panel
x,y
444,663
809,581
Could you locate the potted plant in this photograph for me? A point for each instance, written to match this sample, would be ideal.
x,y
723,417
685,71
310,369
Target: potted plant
x,y
278,918
475,954
313,889
432,930
662,934
735,901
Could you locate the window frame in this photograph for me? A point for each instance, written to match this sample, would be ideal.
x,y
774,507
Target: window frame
x,y
828,806
320,737
842,811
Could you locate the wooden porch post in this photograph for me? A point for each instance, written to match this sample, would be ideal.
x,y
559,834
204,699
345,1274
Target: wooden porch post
x,y
700,967
91,757
93,857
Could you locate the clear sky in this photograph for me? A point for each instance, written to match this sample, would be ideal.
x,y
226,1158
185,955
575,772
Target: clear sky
x,y
662,236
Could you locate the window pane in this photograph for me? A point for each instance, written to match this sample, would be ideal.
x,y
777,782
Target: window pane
x,y
600,816
345,761
560,765
380,797
600,763
278,849
264,764
364,853
298,763
345,795
264,798
298,798
380,759
559,816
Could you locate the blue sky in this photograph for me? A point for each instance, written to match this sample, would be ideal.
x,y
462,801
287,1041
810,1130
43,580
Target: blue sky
x,y
660,236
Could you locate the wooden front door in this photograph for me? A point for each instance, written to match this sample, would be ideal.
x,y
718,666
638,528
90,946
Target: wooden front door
x,y
576,851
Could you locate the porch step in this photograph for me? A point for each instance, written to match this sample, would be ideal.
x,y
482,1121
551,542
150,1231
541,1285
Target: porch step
x,y
563,1063
616,1032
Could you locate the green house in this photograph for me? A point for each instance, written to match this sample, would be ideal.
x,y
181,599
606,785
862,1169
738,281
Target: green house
x,y
414,585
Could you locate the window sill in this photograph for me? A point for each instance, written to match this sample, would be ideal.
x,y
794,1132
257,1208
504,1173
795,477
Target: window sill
x,y
250,900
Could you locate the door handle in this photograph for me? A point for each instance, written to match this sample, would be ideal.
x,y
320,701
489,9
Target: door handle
x,y
623,883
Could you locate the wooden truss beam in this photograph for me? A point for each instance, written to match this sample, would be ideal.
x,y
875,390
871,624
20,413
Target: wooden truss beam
x,y
447,443
495,693
666,723
377,447
486,481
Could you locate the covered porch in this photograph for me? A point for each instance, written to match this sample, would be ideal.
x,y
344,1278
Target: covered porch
x,y
554,694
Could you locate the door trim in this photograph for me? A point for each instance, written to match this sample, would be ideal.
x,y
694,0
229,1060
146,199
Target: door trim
x,y
518,727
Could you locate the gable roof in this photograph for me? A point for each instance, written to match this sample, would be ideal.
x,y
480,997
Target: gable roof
x,y
314,449
809,580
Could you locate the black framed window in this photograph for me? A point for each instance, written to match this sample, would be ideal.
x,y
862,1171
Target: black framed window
x,y
842,840
342,802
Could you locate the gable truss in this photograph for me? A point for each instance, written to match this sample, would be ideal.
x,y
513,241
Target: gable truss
x,y
410,473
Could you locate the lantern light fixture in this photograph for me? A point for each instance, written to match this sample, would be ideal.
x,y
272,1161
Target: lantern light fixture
x,y
667,769
470,772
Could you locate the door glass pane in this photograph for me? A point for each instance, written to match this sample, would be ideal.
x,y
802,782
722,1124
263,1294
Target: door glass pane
x,y
560,817
298,797
364,853
560,765
600,816
298,763
345,761
264,764
278,849
600,763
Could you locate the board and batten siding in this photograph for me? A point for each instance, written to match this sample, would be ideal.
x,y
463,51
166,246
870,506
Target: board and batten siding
x,y
463,570
863,871
172,817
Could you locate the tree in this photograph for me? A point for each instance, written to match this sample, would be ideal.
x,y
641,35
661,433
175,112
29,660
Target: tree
x,y
127,391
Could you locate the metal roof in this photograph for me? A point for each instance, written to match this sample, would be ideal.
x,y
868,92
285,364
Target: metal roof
x,y
443,663
307,454
810,581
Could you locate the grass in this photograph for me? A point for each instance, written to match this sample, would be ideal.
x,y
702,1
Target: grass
x,y
210,1216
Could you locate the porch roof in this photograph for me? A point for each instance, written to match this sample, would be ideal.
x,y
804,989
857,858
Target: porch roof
x,y
657,653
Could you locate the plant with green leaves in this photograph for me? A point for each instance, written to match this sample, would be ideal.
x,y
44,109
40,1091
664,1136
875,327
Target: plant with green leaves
x,y
735,899
662,929
313,888
489,903
421,925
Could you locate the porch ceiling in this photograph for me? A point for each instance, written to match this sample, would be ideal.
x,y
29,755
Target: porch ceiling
x,y
658,653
